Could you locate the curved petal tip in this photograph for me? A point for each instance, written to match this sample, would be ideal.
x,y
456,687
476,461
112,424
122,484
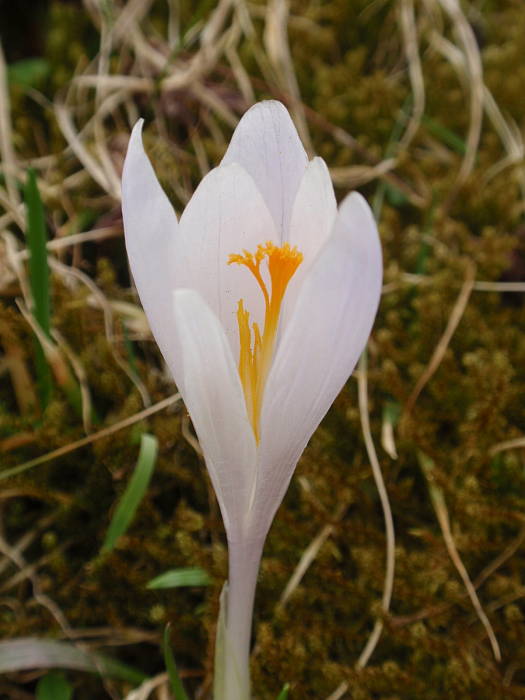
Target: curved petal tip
x,y
266,144
135,139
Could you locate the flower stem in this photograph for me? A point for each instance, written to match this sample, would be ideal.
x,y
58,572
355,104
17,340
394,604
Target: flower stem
x,y
244,558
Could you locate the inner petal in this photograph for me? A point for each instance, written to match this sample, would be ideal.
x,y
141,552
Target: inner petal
x,y
268,147
225,214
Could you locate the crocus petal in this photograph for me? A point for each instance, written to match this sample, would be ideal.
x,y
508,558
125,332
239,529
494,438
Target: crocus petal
x,y
225,215
268,147
313,215
319,348
213,395
150,227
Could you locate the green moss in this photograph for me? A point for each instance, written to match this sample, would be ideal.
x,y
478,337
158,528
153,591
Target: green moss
x,y
350,66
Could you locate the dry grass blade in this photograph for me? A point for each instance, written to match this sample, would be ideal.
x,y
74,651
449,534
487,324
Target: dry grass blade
x,y
51,351
278,50
212,45
189,437
355,175
440,349
132,13
508,132
308,556
96,235
351,176
338,692
499,287
415,71
210,99
68,271
6,137
475,83
128,83
27,538
61,451
80,374
14,212
29,570
438,501
240,73
148,687
11,247
362,385
191,69
107,29
14,442
15,556
494,565
409,278
515,444
65,122
506,554
14,362
511,139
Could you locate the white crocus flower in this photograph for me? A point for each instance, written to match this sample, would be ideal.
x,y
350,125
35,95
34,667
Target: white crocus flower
x,y
261,299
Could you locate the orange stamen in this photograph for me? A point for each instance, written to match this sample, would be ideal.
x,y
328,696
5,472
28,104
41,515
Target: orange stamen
x,y
255,358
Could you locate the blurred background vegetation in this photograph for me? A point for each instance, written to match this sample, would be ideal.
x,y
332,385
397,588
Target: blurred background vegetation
x,y
420,105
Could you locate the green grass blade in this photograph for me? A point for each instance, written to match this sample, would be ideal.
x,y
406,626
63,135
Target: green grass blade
x,y
177,578
448,137
391,412
53,686
171,667
28,72
112,668
134,492
38,279
283,695
37,241
396,197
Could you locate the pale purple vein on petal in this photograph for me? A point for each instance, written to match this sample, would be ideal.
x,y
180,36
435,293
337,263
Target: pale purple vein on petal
x,y
225,215
268,147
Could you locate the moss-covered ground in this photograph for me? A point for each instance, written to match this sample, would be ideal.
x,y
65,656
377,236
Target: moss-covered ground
x,y
420,105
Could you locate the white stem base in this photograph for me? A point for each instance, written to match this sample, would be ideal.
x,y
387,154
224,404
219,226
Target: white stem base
x,y
244,558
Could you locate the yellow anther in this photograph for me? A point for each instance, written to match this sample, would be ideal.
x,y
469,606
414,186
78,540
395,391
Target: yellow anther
x,y
255,357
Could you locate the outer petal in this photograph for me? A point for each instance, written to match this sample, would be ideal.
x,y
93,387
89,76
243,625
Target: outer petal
x,y
313,216
225,215
267,145
213,395
150,227
320,347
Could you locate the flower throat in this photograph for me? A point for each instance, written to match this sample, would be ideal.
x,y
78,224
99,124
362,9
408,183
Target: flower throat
x,y
255,356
